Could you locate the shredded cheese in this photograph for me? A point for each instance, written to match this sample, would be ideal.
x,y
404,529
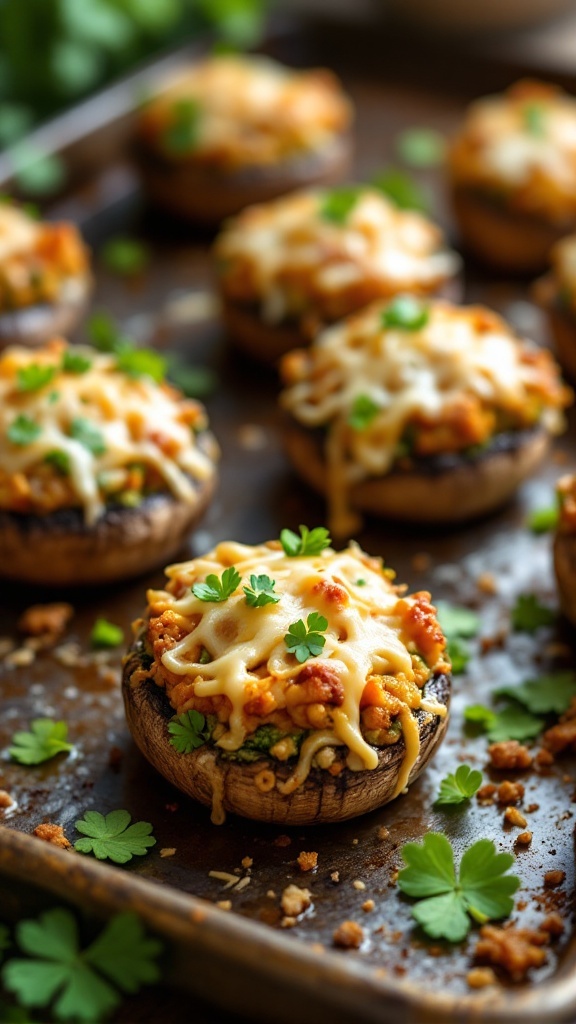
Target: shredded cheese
x,y
40,261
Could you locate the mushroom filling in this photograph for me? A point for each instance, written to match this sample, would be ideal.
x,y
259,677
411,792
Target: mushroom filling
x,y
317,661
79,429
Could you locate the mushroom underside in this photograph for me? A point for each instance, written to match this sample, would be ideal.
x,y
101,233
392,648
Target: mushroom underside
x,y
215,781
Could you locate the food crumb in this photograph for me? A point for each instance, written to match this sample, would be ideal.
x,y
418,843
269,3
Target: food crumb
x,y
247,862
271,894
355,842
53,834
224,904
383,832
552,879
335,876
20,658
509,754
168,851
544,758
368,906
242,883
553,924
5,800
307,861
348,935
512,816
359,884
295,900
46,620
510,792
288,921
516,950
525,838
486,583
481,977
282,841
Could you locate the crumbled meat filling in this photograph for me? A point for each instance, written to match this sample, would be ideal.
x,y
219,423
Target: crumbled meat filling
x,y
516,950
53,834
348,935
307,861
509,755
295,900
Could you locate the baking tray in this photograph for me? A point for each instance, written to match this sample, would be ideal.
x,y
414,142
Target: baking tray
x,y
273,973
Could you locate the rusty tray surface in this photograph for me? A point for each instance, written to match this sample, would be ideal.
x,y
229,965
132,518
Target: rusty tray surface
x,y
416,979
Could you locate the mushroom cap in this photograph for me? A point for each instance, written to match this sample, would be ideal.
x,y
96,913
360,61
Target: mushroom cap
x,y
565,570
35,325
227,785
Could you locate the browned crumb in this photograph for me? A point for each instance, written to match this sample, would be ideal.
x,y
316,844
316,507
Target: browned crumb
x,y
481,977
53,834
383,832
335,876
525,838
20,658
543,758
421,561
532,808
486,794
512,816
359,884
348,935
282,841
552,879
295,900
288,922
48,620
246,862
168,851
553,924
224,904
489,643
486,583
307,861
563,735
355,842
368,906
509,755
516,950
5,800
510,792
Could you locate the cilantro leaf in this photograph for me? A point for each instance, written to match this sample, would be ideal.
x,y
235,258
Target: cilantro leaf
x,y
548,694
364,410
481,890
261,592
218,590
460,786
181,134
189,731
60,460
528,614
406,312
401,189
141,362
125,256
35,376
45,739
459,655
455,621
421,147
23,430
75,362
338,203
103,332
87,435
542,520
512,723
106,634
60,973
310,542
306,641
111,837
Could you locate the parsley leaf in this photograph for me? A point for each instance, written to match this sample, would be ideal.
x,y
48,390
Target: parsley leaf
x,y
456,621
421,147
141,362
364,410
306,641
548,694
310,542
401,189
60,460
512,723
35,376
23,430
45,739
189,731
106,634
181,135
218,590
75,362
111,837
193,381
458,654
260,592
87,435
542,520
481,890
125,256
338,203
104,333
406,312
528,614
460,786
80,984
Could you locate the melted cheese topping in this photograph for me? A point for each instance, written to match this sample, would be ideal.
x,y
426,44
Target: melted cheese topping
x,y
522,145
294,262
251,111
464,370
368,634
39,261
135,419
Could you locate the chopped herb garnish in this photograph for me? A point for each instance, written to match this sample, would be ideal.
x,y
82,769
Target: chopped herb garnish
x,y
112,837
181,135
459,655
542,520
481,890
193,381
401,189
306,641
60,461
549,694
364,410
261,592
360,582
218,590
421,147
406,312
53,397
45,740
141,362
528,614
104,333
80,984
75,362
87,435
125,256
204,658
258,744
512,723
456,621
460,786
106,634
310,542
337,204
35,376
23,430
189,731
534,117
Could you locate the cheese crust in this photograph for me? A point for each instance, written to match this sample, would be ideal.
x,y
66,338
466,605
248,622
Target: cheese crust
x,y
90,435
229,661
246,112
294,264
40,262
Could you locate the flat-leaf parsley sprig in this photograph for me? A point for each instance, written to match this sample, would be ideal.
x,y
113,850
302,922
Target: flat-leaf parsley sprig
x,y
447,900
45,740
189,731
112,837
215,589
310,542
260,592
459,786
80,984
306,641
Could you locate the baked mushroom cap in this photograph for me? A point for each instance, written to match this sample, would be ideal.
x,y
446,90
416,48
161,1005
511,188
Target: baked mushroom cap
x,y
320,691
36,324
565,546
556,293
